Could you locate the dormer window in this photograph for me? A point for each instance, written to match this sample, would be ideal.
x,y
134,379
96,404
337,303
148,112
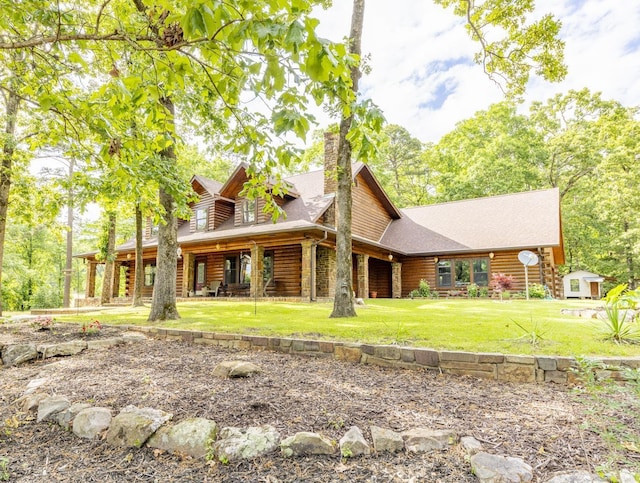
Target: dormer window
x,y
248,211
154,229
201,219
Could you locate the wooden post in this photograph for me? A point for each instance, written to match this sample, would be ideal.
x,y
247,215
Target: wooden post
x,y
187,273
257,271
396,280
115,284
305,282
363,275
90,289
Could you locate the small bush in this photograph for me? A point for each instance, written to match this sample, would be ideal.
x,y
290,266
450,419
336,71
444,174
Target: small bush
x,y
473,290
484,291
536,291
501,283
424,290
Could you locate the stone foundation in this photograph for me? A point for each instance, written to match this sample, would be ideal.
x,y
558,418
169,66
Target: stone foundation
x,y
501,367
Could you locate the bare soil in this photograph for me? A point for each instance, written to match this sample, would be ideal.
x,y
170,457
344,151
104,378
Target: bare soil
x,y
539,423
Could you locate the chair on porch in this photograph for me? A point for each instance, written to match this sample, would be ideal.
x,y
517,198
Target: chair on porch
x,y
214,288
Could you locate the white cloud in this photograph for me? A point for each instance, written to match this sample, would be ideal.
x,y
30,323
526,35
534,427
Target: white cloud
x,y
417,47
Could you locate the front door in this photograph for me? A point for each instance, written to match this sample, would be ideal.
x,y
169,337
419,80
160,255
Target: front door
x,y
595,293
200,279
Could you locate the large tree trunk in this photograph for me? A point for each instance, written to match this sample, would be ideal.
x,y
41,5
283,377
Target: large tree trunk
x,y
139,268
68,267
8,148
163,303
343,301
109,263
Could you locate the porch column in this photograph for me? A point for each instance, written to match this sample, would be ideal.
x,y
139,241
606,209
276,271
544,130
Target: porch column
x,y
90,289
115,283
363,275
257,271
305,282
187,273
396,280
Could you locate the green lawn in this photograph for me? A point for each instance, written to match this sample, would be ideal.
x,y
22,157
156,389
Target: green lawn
x,y
469,325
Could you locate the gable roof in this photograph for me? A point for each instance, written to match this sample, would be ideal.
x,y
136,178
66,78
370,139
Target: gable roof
x,y
515,221
211,186
364,170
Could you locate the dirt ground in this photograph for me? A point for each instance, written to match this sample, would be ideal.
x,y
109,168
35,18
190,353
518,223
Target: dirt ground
x,y
539,423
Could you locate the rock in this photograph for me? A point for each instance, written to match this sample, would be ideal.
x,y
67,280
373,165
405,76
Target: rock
x,y
421,440
192,437
90,422
386,440
29,402
131,337
305,443
353,443
241,444
627,477
35,384
576,477
235,369
471,445
52,405
64,418
359,301
69,348
104,343
500,469
133,426
14,354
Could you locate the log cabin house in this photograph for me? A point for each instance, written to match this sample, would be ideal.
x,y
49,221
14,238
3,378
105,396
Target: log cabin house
x,y
229,247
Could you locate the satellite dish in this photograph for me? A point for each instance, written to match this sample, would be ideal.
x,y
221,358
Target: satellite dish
x,y
528,258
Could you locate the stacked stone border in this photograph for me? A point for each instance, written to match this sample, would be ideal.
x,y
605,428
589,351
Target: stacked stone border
x,y
500,367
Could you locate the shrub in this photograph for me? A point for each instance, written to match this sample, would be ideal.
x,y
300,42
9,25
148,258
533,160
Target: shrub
x,y
484,291
617,324
537,291
501,282
90,328
473,290
424,290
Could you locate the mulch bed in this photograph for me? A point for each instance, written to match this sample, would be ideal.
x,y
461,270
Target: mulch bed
x,y
539,423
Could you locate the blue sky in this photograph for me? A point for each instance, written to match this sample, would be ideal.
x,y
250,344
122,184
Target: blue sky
x,y
424,78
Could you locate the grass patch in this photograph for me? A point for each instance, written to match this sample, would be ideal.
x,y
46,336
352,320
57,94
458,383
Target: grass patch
x,y
468,325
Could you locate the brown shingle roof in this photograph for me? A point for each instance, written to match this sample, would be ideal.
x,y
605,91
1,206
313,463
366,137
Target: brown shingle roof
x,y
521,220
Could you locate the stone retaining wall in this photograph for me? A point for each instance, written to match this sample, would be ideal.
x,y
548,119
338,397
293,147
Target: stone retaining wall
x,y
501,367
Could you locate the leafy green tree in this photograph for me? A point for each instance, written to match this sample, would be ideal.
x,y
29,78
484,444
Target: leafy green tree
x,y
401,168
497,151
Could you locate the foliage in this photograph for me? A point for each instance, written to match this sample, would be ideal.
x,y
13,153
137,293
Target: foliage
x,y
533,335
4,469
473,290
423,290
590,372
484,291
619,325
632,377
537,291
43,322
91,328
501,283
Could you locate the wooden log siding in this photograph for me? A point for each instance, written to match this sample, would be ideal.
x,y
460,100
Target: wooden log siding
x,y
222,211
416,269
370,218
287,270
380,278
205,202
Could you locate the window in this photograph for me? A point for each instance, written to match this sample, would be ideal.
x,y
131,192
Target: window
x,y
248,211
481,272
460,273
149,274
201,219
154,229
574,284
231,270
444,273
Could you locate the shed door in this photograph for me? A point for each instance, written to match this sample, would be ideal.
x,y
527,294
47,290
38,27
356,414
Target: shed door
x,y
594,290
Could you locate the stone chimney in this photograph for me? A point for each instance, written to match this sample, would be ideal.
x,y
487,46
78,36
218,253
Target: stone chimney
x,y
330,162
